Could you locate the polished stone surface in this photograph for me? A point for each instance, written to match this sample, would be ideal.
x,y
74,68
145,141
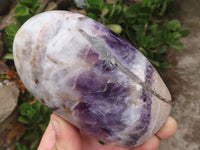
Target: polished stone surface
x,y
91,77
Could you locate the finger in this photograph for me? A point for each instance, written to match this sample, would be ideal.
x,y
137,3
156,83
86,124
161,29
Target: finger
x,y
168,129
48,139
152,144
67,136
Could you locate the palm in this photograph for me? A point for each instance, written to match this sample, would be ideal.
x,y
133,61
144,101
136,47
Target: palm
x,y
60,135
91,143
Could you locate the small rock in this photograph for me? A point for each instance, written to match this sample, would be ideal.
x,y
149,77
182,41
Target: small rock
x,y
8,101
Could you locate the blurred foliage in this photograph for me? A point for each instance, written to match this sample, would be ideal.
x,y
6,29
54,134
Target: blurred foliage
x,y
9,35
20,147
142,24
27,9
35,118
23,11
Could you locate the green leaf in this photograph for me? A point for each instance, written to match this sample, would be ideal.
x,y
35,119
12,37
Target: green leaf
x,y
104,11
131,36
98,4
177,45
45,112
21,10
176,35
164,65
34,144
144,41
23,120
184,32
148,3
92,15
115,27
132,11
8,40
36,105
139,28
155,63
114,12
141,14
31,126
156,42
20,147
174,25
164,8
11,29
163,50
27,110
31,135
22,14
8,56
28,3
42,126
37,8
9,35
152,28
143,51
171,37
38,118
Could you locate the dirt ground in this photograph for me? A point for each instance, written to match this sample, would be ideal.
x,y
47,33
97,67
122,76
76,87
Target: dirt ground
x,y
182,79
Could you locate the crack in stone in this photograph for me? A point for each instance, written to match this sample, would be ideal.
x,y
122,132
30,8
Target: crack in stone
x,y
105,54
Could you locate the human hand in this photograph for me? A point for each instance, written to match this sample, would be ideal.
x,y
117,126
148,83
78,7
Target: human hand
x,y
61,135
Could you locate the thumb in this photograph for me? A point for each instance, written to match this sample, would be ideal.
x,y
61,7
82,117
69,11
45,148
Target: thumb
x,y
67,136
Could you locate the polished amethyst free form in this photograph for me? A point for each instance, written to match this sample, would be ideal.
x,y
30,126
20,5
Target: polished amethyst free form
x,y
91,77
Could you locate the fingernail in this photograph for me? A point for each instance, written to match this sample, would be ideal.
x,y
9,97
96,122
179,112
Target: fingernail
x,y
56,126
